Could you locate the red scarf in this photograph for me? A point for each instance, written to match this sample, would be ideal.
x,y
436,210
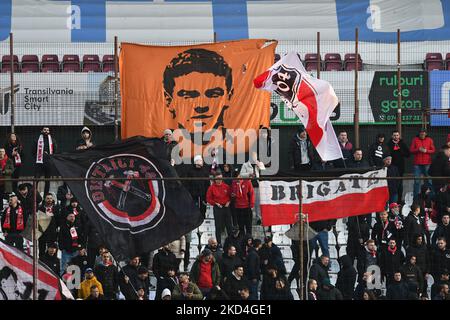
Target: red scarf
x,y
373,253
19,221
3,163
393,251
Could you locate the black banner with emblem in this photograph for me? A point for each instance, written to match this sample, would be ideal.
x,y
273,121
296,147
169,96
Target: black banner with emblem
x,y
133,216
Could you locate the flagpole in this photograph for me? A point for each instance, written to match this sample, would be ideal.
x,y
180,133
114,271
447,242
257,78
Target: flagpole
x,y
34,240
356,113
116,91
301,238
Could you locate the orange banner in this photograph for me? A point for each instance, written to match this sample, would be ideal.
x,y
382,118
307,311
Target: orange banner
x,y
204,88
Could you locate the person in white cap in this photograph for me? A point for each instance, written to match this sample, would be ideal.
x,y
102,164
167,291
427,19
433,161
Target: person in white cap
x,y
170,143
166,294
86,139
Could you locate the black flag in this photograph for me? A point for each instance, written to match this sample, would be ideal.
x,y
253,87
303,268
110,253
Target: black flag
x,y
132,216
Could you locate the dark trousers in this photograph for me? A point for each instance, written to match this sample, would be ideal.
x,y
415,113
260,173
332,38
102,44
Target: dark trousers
x,y
16,175
91,255
234,216
15,240
222,219
44,170
253,288
244,217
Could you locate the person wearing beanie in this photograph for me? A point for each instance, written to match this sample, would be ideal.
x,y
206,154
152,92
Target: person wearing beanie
x,y
166,294
378,151
422,147
328,292
86,141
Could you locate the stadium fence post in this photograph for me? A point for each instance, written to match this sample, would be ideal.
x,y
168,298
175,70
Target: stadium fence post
x,y
11,75
116,91
319,60
34,240
301,239
399,87
356,113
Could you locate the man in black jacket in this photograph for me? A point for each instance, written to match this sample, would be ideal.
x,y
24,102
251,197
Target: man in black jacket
x,y
70,236
198,188
26,196
358,233
399,152
44,146
346,277
378,151
81,259
319,270
412,273
300,151
383,230
368,257
169,281
50,258
391,259
414,225
440,167
215,249
229,260
328,292
164,260
444,279
440,258
14,220
128,278
51,211
253,268
393,185
420,250
108,275
270,254
397,290
235,283
442,230
357,160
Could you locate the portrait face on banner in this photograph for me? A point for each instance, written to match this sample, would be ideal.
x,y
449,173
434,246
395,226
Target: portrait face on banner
x,y
192,104
204,91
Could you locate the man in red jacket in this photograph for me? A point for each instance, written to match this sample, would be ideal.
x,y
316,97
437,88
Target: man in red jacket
x,y
219,196
244,200
422,147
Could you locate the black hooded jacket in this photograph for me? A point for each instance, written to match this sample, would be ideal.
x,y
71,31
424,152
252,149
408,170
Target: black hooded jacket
x,y
346,277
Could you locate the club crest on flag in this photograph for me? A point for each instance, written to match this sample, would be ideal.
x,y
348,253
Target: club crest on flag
x,y
127,204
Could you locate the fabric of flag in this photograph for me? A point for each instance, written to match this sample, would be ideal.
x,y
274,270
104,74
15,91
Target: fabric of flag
x,y
313,101
133,216
323,200
16,277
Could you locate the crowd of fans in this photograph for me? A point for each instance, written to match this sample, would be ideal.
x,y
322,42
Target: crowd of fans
x,y
238,266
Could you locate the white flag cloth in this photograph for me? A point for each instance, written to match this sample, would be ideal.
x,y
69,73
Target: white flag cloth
x,y
313,101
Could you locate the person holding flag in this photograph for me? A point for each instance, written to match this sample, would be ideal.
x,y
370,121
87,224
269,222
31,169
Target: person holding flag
x,y
313,101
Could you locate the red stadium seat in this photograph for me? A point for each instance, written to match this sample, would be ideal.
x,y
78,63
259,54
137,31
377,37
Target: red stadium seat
x,y
311,61
433,61
447,60
91,58
333,62
30,67
91,63
350,62
71,67
108,58
70,58
30,63
50,67
6,67
91,67
6,63
108,67
50,63
50,58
